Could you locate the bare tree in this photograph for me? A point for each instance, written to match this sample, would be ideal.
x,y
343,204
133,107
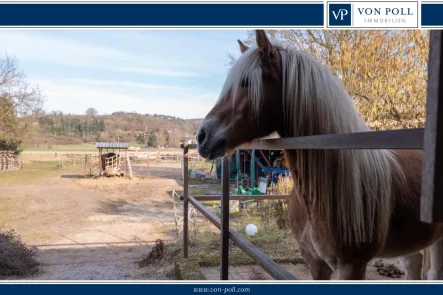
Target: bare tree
x,y
18,101
232,58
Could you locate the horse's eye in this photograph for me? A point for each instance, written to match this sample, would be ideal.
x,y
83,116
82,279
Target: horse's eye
x,y
244,82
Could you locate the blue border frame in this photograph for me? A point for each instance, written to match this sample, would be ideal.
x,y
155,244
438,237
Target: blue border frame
x,y
166,15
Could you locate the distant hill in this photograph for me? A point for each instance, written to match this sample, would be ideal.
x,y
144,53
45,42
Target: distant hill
x,y
139,129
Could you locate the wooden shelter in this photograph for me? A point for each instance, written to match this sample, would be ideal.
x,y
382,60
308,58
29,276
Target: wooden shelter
x,y
8,161
110,154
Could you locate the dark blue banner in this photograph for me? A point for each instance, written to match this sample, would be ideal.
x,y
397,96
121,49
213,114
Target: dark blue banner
x,y
230,288
164,15
432,15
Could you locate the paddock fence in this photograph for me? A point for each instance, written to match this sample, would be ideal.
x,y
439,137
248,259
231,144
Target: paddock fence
x,y
430,139
88,164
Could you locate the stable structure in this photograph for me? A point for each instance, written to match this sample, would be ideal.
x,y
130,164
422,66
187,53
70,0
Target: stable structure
x,y
8,161
430,139
110,155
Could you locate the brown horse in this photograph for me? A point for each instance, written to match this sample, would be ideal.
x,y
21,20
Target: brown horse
x,y
347,206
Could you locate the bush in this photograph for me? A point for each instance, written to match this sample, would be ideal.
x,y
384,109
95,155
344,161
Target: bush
x,y
283,186
155,255
158,263
16,259
278,209
10,145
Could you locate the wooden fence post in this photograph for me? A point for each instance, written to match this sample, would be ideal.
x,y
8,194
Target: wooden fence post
x,y
149,166
129,167
86,161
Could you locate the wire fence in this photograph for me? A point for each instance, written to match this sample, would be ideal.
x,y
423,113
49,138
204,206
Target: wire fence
x,y
178,214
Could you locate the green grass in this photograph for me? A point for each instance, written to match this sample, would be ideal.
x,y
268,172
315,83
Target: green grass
x,y
274,242
64,148
204,166
33,171
85,147
211,203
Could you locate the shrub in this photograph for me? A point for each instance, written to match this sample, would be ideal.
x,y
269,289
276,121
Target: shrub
x,y
278,209
16,259
10,145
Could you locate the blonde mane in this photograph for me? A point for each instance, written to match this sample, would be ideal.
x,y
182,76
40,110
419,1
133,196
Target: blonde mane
x,y
349,188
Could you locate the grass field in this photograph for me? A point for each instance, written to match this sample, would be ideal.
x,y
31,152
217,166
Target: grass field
x,y
68,147
86,147
32,171
88,229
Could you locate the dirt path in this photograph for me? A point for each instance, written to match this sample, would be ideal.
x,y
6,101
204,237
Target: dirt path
x,y
92,228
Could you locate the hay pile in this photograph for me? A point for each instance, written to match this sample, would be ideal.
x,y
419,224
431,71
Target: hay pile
x,y
16,259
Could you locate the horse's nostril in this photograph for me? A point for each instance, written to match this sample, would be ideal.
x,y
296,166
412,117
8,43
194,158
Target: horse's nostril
x,y
201,136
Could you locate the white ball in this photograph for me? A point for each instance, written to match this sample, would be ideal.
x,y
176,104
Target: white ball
x,y
251,229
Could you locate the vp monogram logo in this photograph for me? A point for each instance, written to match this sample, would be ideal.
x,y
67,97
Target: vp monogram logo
x,y
341,13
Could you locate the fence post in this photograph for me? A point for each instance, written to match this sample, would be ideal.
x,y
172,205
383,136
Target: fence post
x,y
185,202
129,167
224,229
237,164
86,162
252,172
432,189
149,165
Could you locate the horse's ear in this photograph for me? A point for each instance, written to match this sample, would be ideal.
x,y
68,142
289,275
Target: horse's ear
x,y
243,47
263,42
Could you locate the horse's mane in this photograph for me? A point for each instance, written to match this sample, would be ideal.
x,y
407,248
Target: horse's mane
x,y
350,188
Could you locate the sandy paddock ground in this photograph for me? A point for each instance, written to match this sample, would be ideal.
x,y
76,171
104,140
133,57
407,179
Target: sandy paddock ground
x,y
97,229
92,228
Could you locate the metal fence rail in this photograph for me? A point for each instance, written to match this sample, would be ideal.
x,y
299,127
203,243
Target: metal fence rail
x,y
430,139
387,139
275,270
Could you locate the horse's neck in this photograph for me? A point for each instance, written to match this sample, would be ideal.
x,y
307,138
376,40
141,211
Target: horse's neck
x,y
348,190
317,103
329,111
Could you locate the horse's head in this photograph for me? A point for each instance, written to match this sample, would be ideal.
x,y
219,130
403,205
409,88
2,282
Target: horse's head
x,y
250,104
